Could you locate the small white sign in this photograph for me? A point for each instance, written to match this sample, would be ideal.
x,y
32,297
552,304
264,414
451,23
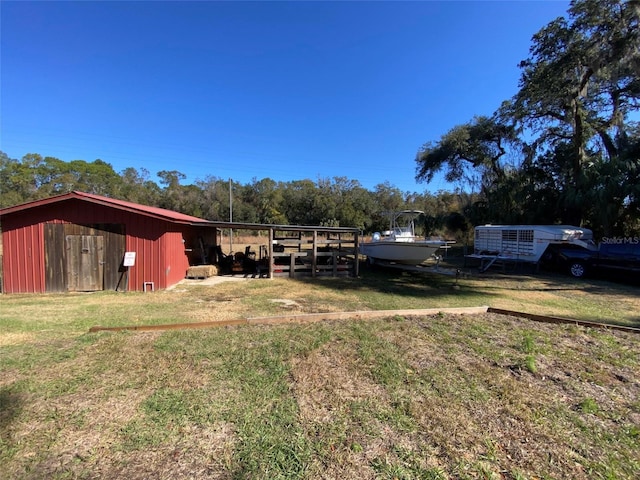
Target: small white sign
x,y
129,259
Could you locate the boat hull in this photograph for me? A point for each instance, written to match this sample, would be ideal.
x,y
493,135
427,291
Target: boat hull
x,y
405,253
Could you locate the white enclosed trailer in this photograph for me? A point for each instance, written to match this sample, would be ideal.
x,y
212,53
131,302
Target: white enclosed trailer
x,y
524,243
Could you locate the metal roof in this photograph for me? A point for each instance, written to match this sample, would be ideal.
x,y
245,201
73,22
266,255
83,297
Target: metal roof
x,y
156,212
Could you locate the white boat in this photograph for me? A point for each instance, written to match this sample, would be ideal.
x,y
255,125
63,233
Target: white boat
x,y
399,244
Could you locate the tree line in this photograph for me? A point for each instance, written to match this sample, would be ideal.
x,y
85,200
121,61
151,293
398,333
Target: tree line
x,y
564,149
336,201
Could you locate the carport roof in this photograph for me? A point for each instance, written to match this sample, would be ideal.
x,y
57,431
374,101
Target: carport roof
x,y
282,228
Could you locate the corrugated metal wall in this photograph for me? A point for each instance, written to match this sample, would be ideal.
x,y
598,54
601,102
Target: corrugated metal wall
x,y
176,265
145,239
22,259
160,251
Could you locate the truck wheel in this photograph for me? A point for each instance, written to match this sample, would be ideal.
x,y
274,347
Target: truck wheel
x,y
577,269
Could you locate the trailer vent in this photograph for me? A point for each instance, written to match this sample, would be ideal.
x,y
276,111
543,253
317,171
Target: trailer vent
x,y
525,235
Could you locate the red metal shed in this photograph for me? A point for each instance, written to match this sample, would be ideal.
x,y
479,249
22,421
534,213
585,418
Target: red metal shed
x,y
77,242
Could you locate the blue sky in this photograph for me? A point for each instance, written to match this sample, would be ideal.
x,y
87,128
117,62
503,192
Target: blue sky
x,y
243,90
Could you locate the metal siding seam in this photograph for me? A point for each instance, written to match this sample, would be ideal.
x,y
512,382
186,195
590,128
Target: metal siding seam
x,y
36,240
9,284
26,239
175,259
137,273
158,250
16,262
23,261
39,236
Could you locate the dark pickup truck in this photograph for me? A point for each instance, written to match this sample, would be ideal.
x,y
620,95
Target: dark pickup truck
x,y
609,258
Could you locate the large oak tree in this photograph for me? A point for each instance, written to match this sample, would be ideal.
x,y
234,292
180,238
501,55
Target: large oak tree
x,y
570,127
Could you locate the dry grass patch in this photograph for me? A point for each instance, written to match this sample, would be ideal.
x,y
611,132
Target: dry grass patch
x,y
328,386
15,338
199,452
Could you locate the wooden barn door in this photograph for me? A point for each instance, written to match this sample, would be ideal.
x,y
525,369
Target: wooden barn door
x,y
85,263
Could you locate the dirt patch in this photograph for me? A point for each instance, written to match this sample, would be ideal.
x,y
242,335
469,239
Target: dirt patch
x,y
288,304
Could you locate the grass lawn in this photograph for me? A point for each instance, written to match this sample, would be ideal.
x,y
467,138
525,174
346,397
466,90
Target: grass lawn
x,y
438,397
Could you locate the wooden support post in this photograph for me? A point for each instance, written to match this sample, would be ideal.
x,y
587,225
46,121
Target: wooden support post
x,y
356,256
216,240
314,254
271,259
292,265
334,261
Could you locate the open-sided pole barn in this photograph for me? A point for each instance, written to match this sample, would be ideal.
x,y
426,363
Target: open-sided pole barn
x,y
84,242
305,250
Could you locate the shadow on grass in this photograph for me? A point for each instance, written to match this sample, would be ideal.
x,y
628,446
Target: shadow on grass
x,y
543,282
479,289
10,408
393,281
560,278
554,281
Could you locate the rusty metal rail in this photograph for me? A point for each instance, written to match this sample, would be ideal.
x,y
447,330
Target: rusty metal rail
x,y
560,320
168,326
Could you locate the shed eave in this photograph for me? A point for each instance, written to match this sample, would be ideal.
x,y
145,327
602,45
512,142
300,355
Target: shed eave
x,y
173,217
